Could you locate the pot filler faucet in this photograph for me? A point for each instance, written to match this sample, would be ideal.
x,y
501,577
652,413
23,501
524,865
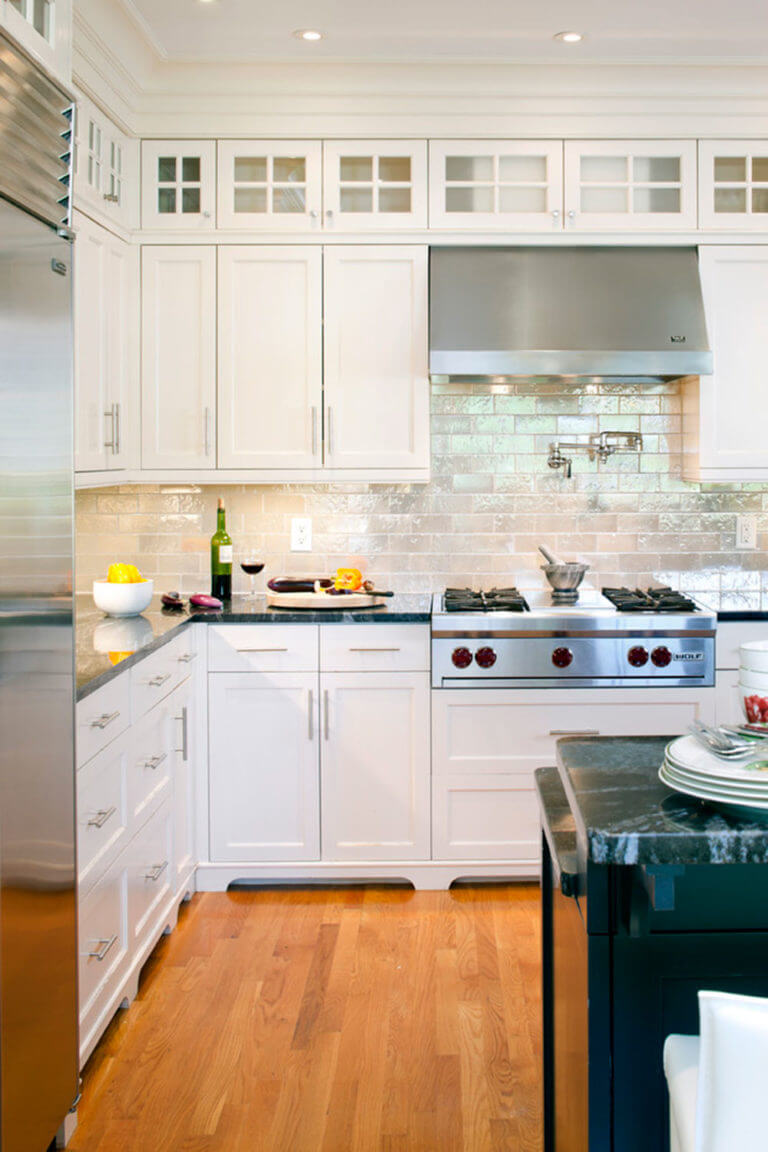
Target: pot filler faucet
x,y
601,446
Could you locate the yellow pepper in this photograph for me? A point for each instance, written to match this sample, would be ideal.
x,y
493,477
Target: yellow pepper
x,y
348,579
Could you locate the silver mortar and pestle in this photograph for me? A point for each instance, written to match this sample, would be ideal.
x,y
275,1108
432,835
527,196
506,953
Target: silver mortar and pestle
x,y
563,576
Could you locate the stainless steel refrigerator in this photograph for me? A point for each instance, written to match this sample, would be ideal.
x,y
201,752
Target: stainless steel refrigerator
x,y
38,925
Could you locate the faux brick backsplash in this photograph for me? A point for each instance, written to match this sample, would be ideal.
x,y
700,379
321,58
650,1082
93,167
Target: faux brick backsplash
x,y
491,500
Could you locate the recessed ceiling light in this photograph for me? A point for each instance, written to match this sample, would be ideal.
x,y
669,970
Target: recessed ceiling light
x,y
308,34
568,37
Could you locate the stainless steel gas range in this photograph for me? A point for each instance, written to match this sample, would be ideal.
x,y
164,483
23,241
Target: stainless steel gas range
x,y
615,639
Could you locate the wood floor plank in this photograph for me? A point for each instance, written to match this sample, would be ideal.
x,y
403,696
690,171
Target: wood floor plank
x,y
329,1020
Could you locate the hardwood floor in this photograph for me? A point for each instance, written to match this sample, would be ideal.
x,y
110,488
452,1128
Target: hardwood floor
x,y
329,1020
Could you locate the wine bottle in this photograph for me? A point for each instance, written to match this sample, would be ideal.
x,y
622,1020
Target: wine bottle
x,y
221,558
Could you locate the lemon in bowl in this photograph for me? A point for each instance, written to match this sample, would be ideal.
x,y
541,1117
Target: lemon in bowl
x,y
124,592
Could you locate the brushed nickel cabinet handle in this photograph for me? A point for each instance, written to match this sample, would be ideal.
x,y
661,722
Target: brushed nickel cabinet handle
x,y
262,649
184,733
374,649
314,430
103,946
574,732
187,657
326,716
101,817
111,198
158,681
104,720
154,762
155,873
311,702
117,429
110,415
329,419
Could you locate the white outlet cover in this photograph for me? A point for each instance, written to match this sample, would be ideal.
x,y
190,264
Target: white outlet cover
x,y
301,534
746,532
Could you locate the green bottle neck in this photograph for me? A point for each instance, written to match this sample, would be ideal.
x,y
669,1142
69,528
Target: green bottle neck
x,y
221,520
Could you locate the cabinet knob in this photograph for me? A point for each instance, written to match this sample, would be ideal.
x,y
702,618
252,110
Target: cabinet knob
x,y
556,215
571,214
313,215
206,215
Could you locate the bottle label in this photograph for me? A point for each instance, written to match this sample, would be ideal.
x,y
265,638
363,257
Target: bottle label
x,y
225,553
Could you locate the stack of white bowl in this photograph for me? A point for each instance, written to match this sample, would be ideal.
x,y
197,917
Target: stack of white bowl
x,y
753,681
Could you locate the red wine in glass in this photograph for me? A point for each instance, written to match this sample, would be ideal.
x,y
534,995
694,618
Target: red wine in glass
x,y
251,566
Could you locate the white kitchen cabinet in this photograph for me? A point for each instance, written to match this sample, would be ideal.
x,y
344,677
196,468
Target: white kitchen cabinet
x,y
44,29
725,417
104,952
263,763
270,344
273,185
485,184
375,357
178,185
106,323
178,365
375,758
374,184
631,185
149,867
103,816
733,184
500,736
106,168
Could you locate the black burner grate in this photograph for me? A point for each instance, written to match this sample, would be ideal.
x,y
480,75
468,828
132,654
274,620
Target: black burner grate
x,y
650,600
495,600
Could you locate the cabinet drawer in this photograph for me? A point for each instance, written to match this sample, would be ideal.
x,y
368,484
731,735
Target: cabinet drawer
x,y
150,764
485,818
161,672
102,812
149,860
262,647
374,648
102,716
731,635
103,947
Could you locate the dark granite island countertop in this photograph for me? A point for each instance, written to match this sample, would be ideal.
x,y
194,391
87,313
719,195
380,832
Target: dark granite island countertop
x,y
624,814
97,636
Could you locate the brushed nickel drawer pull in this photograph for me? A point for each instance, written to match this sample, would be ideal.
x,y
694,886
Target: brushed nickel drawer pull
x,y
574,732
374,649
187,657
105,719
311,702
262,649
101,817
155,761
101,952
326,709
158,681
184,733
155,873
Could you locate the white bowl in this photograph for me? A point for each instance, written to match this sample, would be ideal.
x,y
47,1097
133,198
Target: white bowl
x,y
755,705
749,678
753,656
122,599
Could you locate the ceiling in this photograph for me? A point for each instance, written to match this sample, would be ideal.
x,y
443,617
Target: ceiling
x,y
408,31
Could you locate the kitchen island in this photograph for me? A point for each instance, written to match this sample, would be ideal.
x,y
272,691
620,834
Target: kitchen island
x,y
647,896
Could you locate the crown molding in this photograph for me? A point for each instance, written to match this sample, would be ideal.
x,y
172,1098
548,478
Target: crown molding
x,y
145,28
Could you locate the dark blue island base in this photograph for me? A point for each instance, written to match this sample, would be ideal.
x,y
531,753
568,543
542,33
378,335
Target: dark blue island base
x,y
647,897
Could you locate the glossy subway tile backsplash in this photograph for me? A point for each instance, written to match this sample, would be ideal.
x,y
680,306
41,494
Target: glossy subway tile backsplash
x,y
491,500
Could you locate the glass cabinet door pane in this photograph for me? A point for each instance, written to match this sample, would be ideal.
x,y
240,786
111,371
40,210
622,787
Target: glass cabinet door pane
x,y
760,169
250,199
356,169
607,200
760,200
730,199
394,200
289,170
522,199
190,200
356,200
477,199
395,169
250,169
656,200
288,200
166,169
523,169
604,169
469,168
41,17
729,169
166,200
190,169
657,169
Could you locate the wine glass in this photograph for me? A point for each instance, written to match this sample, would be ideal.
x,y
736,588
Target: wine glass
x,y
252,565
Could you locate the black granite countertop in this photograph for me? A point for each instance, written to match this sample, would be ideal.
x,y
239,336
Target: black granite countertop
x,y
625,815
559,827
101,639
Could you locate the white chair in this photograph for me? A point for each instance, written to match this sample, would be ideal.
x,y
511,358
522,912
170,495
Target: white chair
x,y
718,1081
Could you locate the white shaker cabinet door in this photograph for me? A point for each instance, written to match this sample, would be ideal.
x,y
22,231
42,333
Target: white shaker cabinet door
x,y
270,185
270,357
375,765
375,357
178,378
725,417
263,757
178,185
374,184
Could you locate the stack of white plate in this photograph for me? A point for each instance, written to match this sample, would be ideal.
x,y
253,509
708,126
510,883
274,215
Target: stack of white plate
x,y
753,681
741,783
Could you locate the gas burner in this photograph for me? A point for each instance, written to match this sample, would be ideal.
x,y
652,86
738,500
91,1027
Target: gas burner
x,y
496,600
650,600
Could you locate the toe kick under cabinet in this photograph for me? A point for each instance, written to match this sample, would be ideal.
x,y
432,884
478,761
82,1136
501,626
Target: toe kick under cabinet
x,y
136,746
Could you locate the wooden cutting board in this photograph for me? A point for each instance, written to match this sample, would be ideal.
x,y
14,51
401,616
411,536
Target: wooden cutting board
x,y
322,601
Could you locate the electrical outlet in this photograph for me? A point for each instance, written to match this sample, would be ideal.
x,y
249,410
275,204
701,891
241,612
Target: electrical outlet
x,y
746,532
301,534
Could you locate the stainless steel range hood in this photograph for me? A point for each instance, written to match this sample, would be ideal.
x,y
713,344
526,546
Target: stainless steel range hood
x,y
566,313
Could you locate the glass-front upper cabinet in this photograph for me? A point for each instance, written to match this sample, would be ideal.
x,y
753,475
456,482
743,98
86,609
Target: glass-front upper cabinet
x,y
630,184
270,184
510,184
733,184
44,28
374,184
178,184
106,167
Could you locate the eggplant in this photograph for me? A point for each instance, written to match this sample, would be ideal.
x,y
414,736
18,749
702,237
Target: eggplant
x,y
200,600
298,584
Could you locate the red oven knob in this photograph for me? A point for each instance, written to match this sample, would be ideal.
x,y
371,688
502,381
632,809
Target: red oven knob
x,y
462,657
486,657
562,657
637,656
661,656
